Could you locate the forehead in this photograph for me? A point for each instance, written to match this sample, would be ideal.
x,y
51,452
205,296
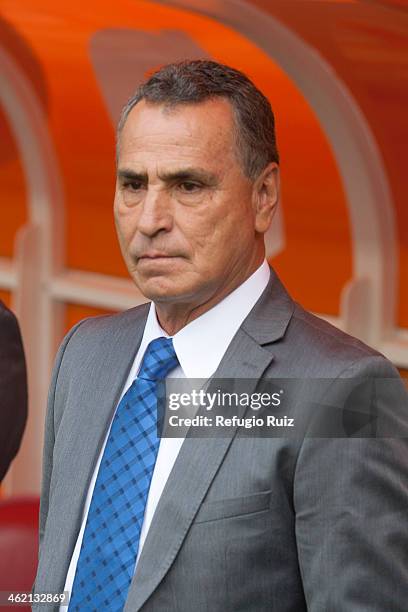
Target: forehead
x,y
202,131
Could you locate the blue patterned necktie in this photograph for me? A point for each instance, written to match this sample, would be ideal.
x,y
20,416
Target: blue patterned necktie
x,y
111,539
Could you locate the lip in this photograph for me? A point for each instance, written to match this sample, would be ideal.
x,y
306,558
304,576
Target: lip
x,y
156,255
151,259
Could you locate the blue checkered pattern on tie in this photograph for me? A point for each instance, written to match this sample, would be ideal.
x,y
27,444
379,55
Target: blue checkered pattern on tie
x,y
111,539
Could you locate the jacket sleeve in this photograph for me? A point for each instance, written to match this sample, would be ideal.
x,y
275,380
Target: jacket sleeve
x,y
49,434
351,499
13,389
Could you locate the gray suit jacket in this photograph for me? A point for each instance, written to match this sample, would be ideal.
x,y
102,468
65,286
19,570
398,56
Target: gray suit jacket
x,y
244,523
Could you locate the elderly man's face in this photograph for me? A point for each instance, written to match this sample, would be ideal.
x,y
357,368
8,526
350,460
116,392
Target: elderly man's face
x,y
184,209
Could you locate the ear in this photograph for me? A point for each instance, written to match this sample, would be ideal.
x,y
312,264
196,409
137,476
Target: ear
x,y
266,196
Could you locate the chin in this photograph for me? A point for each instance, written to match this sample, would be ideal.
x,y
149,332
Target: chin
x,y
159,289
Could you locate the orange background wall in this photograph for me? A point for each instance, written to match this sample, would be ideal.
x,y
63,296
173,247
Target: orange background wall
x,y
316,241
316,262
51,42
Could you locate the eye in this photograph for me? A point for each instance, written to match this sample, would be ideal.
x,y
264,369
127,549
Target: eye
x,y
132,185
189,187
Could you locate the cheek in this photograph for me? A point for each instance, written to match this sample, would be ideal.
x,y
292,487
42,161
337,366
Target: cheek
x,y
211,245
203,236
223,227
208,221
120,230
126,222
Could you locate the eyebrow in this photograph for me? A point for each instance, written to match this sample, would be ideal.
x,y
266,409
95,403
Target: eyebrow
x,y
184,174
125,173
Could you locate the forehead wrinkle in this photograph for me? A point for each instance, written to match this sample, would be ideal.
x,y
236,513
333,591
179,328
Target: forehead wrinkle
x,y
182,149
161,138
177,139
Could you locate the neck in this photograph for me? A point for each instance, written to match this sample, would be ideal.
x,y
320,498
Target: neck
x,y
174,316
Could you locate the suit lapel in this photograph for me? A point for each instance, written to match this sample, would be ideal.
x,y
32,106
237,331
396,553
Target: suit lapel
x,y
199,458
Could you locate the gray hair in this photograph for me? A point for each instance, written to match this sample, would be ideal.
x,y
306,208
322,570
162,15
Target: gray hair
x,y
192,82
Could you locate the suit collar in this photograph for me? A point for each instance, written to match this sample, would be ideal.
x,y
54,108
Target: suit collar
x,y
269,318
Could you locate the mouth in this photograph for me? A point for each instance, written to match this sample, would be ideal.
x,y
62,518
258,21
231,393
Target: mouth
x,y
155,256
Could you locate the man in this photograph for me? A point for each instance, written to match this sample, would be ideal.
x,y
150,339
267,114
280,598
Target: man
x,y
13,389
231,522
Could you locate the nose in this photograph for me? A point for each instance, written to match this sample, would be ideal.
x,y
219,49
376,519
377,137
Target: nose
x,y
156,213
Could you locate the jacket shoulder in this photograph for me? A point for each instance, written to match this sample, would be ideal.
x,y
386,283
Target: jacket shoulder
x,y
318,348
328,336
98,334
102,324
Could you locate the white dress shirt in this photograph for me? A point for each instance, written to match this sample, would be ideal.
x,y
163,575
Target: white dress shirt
x,y
212,332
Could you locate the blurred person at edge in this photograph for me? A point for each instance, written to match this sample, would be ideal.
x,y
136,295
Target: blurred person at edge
x,y
211,523
13,389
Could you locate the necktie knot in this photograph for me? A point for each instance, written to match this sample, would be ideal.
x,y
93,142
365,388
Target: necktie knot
x,y
159,359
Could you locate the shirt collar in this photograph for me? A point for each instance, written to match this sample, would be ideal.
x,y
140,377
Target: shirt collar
x,y
201,344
